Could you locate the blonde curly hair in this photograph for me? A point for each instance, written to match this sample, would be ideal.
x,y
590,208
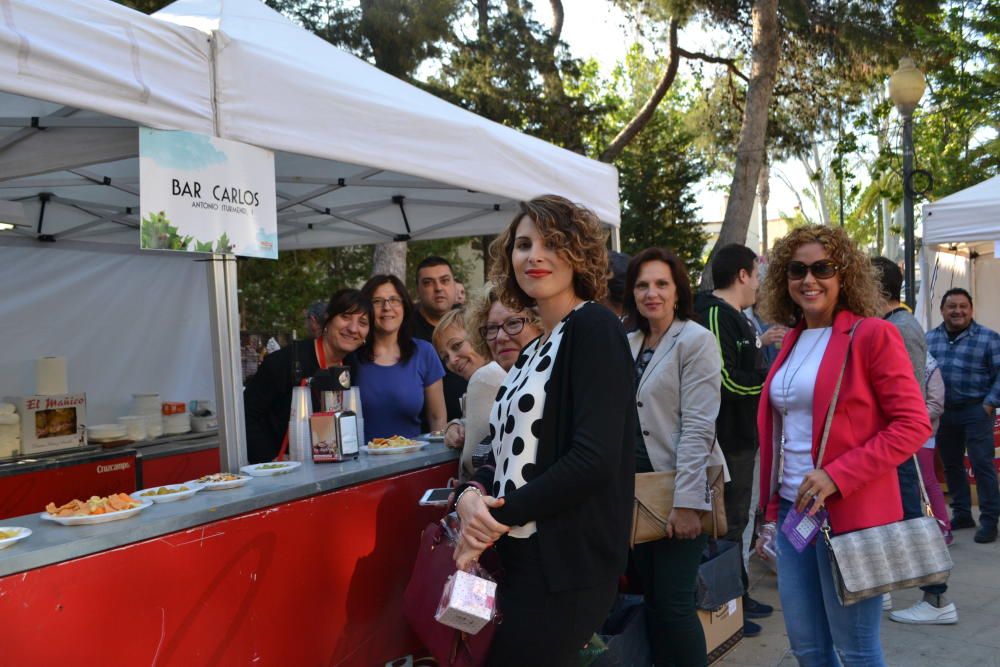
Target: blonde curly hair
x,y
479,314
859,285
578,237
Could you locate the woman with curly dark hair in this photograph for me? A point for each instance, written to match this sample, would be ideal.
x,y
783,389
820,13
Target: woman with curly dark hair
x,y
556,496
822,283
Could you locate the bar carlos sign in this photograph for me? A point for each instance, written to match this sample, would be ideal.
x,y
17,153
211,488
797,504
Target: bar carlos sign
x,y
204,194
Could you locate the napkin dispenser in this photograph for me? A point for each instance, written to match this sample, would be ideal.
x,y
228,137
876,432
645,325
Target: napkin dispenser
x,y
328,386
334,436
51,423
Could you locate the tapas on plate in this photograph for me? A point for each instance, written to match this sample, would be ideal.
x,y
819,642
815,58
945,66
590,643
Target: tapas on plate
x,y
221,481
96,509
269,469
10,535
168,493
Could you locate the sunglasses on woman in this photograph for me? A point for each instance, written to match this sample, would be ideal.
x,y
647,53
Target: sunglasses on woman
x,y
824,268
511,327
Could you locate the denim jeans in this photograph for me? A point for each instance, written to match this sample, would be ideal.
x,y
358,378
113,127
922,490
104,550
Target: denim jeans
x,y
968,427
822,632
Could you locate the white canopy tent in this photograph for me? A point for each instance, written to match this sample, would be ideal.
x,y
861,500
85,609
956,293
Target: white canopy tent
x,y
361,157
961,233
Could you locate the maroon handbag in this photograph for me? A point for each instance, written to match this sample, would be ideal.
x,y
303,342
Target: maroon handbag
x,y
435,563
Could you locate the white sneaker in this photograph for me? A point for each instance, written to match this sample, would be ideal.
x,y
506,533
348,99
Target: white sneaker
x,y
886,601
924,613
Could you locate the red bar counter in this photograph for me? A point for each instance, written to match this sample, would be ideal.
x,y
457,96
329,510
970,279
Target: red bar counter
x,y
311,574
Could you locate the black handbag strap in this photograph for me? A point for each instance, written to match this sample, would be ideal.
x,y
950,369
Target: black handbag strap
x,y
829,422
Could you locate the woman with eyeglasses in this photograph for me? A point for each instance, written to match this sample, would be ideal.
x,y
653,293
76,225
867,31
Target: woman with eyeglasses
x,y
399,375
497,333
556,495
819,280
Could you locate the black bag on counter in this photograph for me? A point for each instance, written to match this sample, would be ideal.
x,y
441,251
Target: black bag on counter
x,y
720,576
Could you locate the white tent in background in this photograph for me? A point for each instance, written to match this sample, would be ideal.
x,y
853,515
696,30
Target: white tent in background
x,y
961,235
360,157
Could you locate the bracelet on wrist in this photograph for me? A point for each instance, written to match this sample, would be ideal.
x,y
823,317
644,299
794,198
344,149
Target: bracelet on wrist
x,y
466,490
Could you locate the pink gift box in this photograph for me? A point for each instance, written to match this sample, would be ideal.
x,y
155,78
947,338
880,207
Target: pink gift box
x,y
467,603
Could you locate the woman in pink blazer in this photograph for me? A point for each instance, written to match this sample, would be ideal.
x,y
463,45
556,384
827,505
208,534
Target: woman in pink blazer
x,y
822,283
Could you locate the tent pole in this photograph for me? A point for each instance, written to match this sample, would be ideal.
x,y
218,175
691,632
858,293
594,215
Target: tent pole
x,y
616,239
224,318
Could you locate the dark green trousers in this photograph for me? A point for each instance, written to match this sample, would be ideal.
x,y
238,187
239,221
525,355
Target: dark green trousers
x,y
669,572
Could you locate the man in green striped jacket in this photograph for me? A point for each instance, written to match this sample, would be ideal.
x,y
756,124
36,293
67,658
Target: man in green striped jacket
x,y
736,277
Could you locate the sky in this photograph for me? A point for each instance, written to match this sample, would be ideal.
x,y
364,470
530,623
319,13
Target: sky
x,y
597,29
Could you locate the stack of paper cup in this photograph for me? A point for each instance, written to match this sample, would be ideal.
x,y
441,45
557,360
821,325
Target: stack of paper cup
x,y
148,406
10,431
50,376
299,431
353,403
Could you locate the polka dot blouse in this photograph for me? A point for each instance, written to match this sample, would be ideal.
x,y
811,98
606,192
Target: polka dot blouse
x,y
516,419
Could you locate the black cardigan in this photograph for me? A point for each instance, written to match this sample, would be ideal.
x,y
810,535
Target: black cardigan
x,y
582,495
267,397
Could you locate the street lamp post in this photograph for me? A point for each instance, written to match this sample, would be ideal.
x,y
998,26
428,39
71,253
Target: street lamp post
x,y
906,87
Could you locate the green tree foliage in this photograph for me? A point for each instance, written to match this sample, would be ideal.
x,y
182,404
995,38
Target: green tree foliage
x,y
515,71
274,294
145,6
396,35
658,169
957,126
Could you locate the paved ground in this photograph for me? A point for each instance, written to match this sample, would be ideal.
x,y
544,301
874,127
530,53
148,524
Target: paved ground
x,y
975,640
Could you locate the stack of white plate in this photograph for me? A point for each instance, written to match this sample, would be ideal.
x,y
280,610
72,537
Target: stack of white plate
x,y
148,405
106,432
176,424
135,426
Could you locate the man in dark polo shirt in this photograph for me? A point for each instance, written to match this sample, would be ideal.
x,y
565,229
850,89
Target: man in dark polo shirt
x,y
436,289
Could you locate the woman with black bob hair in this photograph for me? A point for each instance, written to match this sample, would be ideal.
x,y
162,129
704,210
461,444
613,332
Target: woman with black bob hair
x,y
678,379
399,375
556,493
267,397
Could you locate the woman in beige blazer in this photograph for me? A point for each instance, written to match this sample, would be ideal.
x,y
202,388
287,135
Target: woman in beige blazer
x,y
678,375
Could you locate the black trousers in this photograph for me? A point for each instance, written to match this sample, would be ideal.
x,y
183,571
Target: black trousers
x,y
669,572
738,494
541,628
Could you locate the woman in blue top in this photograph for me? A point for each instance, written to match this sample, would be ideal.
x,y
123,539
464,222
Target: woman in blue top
x,y
399,375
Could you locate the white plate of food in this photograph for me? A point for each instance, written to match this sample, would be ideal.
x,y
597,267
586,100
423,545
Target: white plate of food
x,y
168,493
221,481
395,445
271,468
94,510
12,534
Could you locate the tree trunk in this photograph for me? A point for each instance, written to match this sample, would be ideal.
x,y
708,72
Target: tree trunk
x,y
819,183
753,132
644,115
764,193
483,11
390,258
